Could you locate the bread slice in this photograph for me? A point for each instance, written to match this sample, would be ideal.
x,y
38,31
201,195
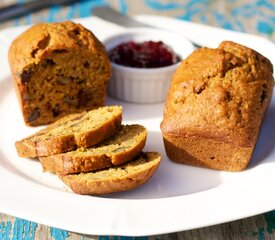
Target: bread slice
x,y
117,149
117,179
72,131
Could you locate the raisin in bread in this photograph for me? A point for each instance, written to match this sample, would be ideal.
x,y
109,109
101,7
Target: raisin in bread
x,y
58,68
117,149
215,107
72,131
116,179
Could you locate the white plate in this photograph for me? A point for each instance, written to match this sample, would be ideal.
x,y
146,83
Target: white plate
x,y
177,198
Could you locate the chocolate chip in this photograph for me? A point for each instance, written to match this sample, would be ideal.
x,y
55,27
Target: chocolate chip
x,y
76,31
56,111
83,98
79,81
26,76
86,64
227,96
34,52
34,115
199,90
60,51
50,62
264,93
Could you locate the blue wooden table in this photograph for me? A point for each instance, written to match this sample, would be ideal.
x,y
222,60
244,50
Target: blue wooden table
x,y
254,16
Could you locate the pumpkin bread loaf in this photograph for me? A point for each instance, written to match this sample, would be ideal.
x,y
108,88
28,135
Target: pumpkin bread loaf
x,y
117,149
72,131
215,107
115,179
58,68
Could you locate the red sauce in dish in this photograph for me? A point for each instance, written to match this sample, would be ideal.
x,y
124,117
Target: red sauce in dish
x,y
148,54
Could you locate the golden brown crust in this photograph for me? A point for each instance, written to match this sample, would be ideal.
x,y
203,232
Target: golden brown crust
x,y
58,68
72,131
218,95
207,153
118,149
117,179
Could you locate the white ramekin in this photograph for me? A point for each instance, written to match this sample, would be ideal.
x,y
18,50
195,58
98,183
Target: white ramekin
x,y
140,85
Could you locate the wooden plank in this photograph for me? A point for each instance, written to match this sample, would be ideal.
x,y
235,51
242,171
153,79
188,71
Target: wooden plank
x,y
258,227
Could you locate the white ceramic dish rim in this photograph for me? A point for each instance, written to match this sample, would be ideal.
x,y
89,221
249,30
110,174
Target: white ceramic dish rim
x,y
245,194
144,71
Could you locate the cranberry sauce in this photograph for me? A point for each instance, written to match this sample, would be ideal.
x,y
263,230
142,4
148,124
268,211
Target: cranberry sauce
x,y
148,54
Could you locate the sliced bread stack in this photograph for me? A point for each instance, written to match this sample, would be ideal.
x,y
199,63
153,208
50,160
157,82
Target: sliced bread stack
x,y
92,152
